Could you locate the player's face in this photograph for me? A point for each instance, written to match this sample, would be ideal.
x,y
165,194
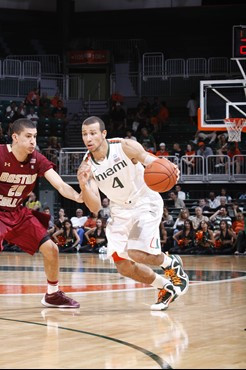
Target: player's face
x,y
93,137
26,140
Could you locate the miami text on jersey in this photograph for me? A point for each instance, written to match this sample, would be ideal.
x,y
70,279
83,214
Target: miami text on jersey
x,y
111,171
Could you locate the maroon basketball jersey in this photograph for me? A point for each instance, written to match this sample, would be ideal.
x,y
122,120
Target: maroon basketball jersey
x,y
17,179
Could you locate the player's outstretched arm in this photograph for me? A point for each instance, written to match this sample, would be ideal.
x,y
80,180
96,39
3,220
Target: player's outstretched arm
x,y
64,189
89,188
136,153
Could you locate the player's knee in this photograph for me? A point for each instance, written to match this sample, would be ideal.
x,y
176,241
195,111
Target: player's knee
x,y
49,249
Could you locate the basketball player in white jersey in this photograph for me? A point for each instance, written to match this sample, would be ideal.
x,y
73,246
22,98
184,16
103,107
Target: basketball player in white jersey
x,y
115,167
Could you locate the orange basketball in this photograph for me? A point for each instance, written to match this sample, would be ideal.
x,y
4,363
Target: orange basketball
x,y
160,175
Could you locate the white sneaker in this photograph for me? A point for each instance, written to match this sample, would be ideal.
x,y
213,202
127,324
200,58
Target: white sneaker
x,y
177,275
165,297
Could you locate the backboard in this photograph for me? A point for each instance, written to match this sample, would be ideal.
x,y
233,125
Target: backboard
x,y
220,99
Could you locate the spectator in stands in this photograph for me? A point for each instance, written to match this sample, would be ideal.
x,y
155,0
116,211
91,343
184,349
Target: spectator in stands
x,y
33,98
148,140
45,110
17,114
104,212
240,245
202,136
184,215
203,205
145,104
96,237
117,120
59,112
44,100
224,239
167,219
178,203
181,194
177,151
78,222
90,222
22,109
129,135
223,193
54,101
53,149
155,107
162,152
198,218
218,216
204,150
192,106
60,219
238,224
51,226
221,149
161,118
11,109
223,203
232,151
67,238
33,115
213,201
184,240
189,159
140,120
204,239
33,203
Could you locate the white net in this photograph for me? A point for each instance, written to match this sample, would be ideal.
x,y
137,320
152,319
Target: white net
x,y
234,128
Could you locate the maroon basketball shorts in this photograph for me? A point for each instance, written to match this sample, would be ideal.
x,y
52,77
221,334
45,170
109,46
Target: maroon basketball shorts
x,y
23,227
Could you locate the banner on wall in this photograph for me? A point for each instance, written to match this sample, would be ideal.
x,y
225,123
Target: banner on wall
x,y
88,57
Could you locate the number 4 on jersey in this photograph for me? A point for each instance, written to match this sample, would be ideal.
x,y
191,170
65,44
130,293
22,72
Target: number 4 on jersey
x,y
117,183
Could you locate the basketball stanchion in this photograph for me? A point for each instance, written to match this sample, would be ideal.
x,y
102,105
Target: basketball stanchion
x,y
234,128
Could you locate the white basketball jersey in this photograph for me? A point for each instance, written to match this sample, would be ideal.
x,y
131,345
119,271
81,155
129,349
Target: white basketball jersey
x,y
116,176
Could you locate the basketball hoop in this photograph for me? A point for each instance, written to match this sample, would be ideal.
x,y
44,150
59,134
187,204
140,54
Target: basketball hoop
x,y
234,128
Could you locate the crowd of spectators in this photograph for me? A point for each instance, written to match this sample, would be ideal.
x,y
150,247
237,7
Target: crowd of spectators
x,y
37,108
212,225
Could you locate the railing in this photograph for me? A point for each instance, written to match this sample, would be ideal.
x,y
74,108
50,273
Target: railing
x,y
158,68
51,64
19,76
214,168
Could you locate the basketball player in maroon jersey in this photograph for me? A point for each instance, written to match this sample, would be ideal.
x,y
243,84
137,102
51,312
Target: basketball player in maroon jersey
x,y
20,166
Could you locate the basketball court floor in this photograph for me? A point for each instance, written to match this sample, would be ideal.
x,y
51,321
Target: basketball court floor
x,y
114,327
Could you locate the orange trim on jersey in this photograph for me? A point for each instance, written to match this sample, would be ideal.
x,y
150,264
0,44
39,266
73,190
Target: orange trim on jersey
x,y
117,258
112,141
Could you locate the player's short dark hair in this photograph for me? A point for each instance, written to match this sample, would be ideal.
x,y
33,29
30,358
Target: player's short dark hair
x,y
94,119
20,124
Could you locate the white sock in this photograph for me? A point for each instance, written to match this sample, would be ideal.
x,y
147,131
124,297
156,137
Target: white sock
x,y
166,262
52,288
159,282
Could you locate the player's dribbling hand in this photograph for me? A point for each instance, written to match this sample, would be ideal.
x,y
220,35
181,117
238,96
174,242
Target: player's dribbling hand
x,y
83,174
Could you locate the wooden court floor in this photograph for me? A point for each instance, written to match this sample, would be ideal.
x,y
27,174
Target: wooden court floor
x,y
114,327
